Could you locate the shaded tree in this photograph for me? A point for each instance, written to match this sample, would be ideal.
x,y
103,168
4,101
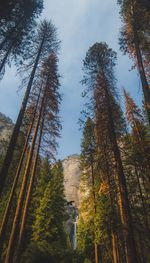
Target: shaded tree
x,y
134,40
88,154
139,153
17,28
48,230
100,82
43,44
49,128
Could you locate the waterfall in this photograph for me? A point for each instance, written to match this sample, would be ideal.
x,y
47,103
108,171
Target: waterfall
x,y
75,233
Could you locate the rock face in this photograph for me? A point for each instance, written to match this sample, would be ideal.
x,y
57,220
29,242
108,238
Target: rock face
x,y
70,164
72,179
6,128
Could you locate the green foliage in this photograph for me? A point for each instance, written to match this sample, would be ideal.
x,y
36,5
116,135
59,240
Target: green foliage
x,y
13,167
39,254
48,242
85,237
17,23
48,228
94,224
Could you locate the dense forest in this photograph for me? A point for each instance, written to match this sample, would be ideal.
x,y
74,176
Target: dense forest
x,y
113,219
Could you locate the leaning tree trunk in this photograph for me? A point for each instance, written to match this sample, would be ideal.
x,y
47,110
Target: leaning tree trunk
x,y
145,85
3,43
9,203
2,65
94,204
145,161
14,231
14,137
130,248
144,210
28,198
114,238
131,256
114,241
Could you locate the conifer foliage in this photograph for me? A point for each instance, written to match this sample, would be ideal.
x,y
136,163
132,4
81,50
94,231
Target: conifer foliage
x,y
100,84
44,42
134,40
49,231
17,21
112,222
41,120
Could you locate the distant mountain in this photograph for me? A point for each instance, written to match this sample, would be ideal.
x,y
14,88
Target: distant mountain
x,y
70,163
6,128
72,178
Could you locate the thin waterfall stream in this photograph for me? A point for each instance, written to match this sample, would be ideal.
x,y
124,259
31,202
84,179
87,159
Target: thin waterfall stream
x,y
75,233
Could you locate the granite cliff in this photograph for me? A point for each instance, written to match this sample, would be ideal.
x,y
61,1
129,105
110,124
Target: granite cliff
x,y
72,178
70,163
6,128
71,167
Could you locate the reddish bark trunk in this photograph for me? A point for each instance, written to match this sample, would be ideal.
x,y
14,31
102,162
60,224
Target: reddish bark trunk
x,y
14,231
145,85
131,255
14,137
29,192
9,203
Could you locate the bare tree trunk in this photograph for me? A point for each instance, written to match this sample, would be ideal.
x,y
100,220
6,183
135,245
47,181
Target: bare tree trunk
x,y
29,192
14,137
145,217
9,203
94,201
131,255
145,85
142,256
102,144
5,58
3,43
115,250
13,235
96,252
146,164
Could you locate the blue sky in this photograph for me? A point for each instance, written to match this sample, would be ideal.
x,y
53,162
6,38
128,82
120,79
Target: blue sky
x,y
80,24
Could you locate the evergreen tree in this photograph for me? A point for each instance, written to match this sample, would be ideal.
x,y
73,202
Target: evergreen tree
x,y
6,195
96,225
43,44
140,135
88,154
49,127
48,229
41,181
9,9
135,40
17,20
17,216
136,157
100,82
29,123
43,130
